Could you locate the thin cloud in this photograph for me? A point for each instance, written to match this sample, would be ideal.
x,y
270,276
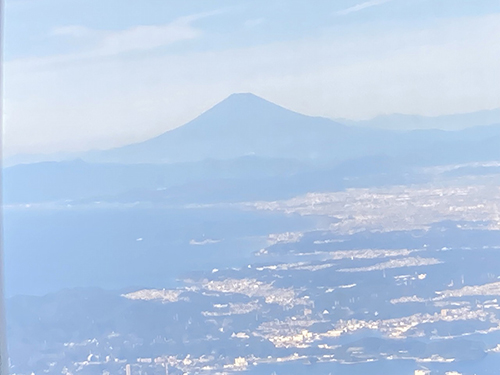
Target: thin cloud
x,y
147,37
72,31
357,8
138,38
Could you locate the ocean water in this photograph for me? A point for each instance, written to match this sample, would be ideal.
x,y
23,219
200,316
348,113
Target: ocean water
x,y
51,249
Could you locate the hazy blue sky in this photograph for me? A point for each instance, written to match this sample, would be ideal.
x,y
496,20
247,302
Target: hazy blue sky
x,y
83,74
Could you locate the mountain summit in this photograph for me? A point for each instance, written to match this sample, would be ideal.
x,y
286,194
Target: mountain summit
x,y
248,106
244,102
242,112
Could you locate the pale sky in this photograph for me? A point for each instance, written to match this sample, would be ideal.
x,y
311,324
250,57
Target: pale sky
x,y
87,74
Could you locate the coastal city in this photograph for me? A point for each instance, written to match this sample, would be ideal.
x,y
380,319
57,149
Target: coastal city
x,y
372,288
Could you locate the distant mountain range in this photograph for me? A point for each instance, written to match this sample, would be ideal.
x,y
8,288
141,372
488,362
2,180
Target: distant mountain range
x,y
244,124
248,148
